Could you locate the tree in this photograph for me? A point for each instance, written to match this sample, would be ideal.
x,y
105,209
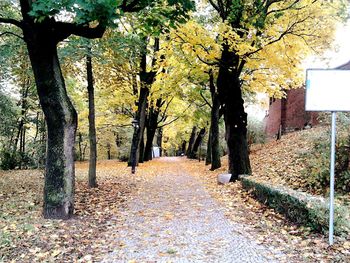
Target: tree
x,y
254,46
42,31
92,127
250,27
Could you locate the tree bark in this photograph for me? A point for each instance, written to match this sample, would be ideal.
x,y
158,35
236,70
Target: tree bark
x,y
191,141
61,120
230,95
92,128
142,144
152,124
80,140
141,118
160,140
214,126
208,156
183,147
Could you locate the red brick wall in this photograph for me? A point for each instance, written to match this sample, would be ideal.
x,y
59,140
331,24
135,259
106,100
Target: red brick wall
x,y
273,119
296,116
290,112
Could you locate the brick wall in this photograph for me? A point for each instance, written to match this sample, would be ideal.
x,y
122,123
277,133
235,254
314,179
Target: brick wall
x,y
273,118
289,112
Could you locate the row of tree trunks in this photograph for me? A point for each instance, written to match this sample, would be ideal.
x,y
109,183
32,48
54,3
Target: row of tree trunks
x,y
191,141
194,153
146,80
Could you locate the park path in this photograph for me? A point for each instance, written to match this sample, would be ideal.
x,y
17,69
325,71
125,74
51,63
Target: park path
x,y
172,218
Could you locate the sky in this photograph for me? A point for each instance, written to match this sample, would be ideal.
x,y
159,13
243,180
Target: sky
x,y
337,57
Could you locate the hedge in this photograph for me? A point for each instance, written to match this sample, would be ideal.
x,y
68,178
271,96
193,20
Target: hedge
x,y
300,207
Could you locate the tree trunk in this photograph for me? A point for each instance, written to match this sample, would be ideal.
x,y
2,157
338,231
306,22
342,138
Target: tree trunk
x,y
208,156
141,118
61,120
197,144
142,145
92,128
109,157
214,127
230,95
191,141
151,131
152,124
160,140
80,140
183,147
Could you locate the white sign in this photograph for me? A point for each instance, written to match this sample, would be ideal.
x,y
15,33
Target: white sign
x,y
327,90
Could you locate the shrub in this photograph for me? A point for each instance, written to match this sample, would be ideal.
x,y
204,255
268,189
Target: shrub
x,y
256,131
318,162
9,160
299,207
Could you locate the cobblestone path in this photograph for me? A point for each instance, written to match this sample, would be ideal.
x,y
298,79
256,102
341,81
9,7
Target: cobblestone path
x,y
174,219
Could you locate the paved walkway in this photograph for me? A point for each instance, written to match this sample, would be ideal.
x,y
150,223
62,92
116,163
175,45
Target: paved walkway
x,y
174,219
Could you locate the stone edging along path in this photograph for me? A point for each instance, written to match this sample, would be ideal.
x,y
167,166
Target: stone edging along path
x,y
173,219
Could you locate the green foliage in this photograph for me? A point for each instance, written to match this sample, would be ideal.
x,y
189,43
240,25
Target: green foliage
x,y
83,11
8,115
9,160
318,160
256,132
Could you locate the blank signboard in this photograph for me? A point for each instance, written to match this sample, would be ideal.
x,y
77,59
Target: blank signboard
x,y
327,90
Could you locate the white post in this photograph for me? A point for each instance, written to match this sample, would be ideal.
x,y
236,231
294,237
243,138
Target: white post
x,y
331,194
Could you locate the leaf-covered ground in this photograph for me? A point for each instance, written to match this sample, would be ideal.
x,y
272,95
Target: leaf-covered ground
x,y
282,162
299,244
26,237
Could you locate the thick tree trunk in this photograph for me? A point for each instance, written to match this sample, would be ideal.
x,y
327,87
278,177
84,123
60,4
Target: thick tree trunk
x,y
191,141
230,95
92,128
61,120
198,142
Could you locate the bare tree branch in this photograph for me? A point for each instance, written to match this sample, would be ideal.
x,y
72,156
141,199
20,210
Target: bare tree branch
x,y
11,33
205,99
11,21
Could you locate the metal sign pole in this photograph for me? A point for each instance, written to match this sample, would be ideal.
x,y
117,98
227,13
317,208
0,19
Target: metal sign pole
x,y
331,194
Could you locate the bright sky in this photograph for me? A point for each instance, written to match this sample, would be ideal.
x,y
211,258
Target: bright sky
x,y
337,57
